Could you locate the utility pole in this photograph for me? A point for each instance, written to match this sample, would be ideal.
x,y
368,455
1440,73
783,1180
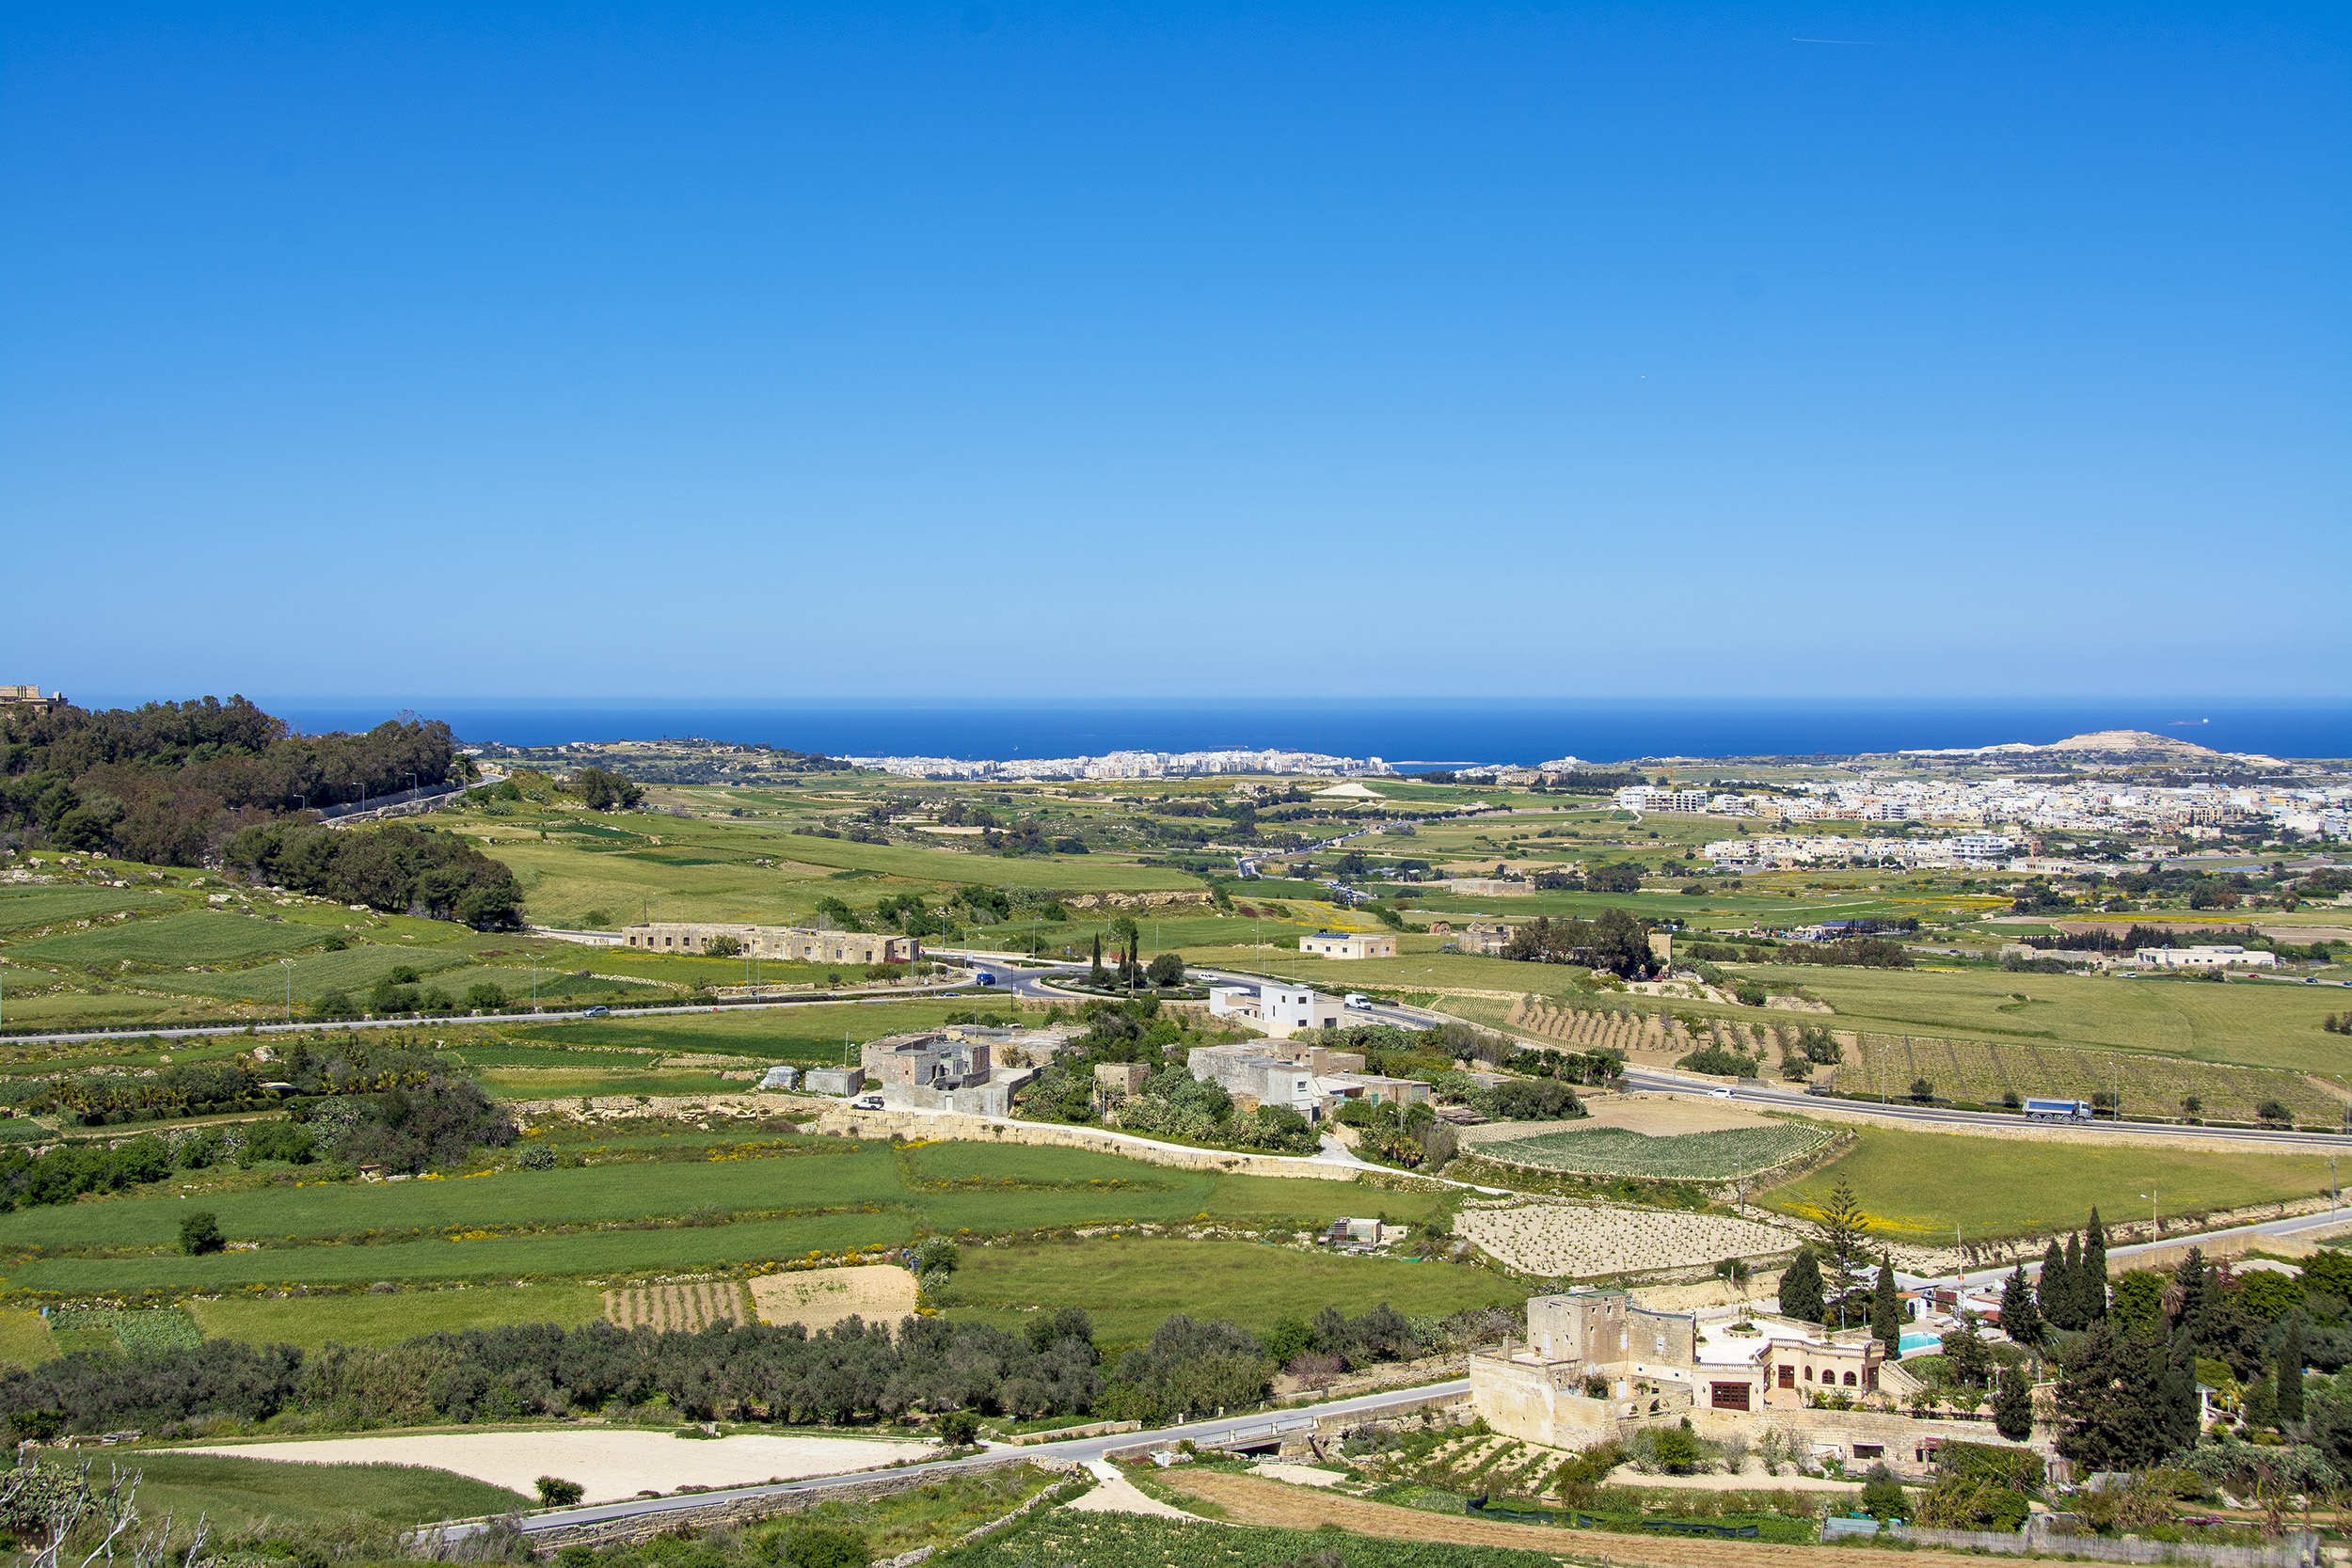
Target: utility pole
x,y
288,963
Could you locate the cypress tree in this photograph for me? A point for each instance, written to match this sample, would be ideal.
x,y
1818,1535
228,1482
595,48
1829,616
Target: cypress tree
x,y
2291,1372
2052,1291
2092,1282
1887,1309
1801,1288
2020,1319
2191,1277
2077,1313
2013,1404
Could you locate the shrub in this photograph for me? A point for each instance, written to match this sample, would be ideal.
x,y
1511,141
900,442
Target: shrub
x,y
557,1492
199,1234
821,1546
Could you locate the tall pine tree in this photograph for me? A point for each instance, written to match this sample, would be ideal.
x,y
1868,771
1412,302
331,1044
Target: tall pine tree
x,y
1887,1309
2051,1288
2092,1282
2020,1319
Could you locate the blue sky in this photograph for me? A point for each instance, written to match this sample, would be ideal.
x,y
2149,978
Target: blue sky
x,y
1007,349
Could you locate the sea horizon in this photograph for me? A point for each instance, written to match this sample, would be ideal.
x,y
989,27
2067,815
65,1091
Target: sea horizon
x,y
1416,732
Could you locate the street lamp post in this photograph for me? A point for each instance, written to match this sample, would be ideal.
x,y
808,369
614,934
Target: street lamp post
x,y
2155,1224
287,965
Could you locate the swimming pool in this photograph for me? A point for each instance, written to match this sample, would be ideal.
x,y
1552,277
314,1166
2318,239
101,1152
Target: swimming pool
x,y
1912,1345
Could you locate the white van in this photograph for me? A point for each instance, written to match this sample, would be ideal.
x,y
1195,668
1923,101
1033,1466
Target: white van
x,y
1357,998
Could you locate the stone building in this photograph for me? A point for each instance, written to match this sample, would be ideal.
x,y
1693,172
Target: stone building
x,y
1349,944
789,943
1597,1365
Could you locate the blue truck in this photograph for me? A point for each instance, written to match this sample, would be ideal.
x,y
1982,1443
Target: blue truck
x,y
2059,1110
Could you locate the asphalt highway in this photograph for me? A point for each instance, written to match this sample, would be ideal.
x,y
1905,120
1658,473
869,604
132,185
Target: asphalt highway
x,y
1078,1451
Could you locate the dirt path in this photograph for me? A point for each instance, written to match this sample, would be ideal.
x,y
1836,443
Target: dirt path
x,y
1249,1500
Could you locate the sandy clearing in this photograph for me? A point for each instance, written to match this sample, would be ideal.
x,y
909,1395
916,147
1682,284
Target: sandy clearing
x,y
1753,1479
1118,1495
1297,1475
1654,1115
612,1465
820,1298
1249,1501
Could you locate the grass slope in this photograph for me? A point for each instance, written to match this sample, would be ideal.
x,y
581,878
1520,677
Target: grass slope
x,y
1128,1286
240,1494
1921,1184
198,936
983,1189
311,1322
2264,1025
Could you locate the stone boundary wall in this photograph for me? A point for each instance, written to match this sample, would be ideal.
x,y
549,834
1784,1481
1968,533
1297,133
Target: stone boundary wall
x,y
1064,1434
911,1126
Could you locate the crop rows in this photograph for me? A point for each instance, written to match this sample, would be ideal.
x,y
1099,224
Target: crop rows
x,y
676,1306
1599,1028
1684,1157
1984,1071
1134,1540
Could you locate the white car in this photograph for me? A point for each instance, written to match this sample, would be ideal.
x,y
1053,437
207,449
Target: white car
x,y
867,1102
1719,1094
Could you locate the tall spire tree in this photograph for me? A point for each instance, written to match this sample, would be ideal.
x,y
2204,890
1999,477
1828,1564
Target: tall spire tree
x,y
2021,1319
1887,1309
2092,1282
2050,1289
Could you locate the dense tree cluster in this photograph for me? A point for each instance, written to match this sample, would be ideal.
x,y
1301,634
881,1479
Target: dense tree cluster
x,y
164,782
404,1120
1613,942
396,868
725,1371
601,789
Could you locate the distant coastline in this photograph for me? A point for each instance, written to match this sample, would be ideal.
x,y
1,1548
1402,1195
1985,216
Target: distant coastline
x,y
1412,734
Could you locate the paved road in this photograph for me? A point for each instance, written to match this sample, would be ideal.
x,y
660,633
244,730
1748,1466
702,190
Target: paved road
x,y
1935,1115
1080,1451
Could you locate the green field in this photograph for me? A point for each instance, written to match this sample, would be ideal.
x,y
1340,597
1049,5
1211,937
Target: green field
x,y
1127,1286
2263,1025
354,968
240,1494
799,1033
1683,1157
24,1339
21,907
311,1322
849,1196
196,936
499,1257
1921,1184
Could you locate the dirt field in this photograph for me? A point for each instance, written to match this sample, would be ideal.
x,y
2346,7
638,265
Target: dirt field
x,y
820,1298
1559,1240
612,1465
681,1307
1655,1116
1247,1501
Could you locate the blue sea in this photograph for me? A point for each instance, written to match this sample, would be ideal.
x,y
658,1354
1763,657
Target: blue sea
x,y
1417,732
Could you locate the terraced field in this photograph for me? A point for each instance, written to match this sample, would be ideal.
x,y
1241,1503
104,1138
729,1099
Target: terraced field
x,y
1685,1157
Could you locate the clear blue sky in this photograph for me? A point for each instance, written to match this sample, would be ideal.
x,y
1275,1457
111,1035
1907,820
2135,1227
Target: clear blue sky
x,y
1014,349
